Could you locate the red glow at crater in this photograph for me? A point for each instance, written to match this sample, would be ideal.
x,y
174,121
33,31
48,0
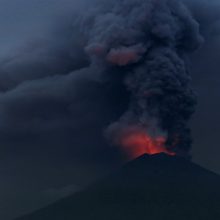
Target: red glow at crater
x,y
137,143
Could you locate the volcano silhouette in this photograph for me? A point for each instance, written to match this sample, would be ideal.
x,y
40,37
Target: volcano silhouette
x,y
150,187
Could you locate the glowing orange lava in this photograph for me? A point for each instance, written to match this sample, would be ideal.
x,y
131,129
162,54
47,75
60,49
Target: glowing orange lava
x,y
138,143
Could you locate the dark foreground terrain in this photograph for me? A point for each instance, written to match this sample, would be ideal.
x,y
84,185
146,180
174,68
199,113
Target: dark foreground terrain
x,y
150,187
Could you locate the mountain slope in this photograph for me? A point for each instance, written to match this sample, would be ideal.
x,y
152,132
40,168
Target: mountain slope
x,y
150,187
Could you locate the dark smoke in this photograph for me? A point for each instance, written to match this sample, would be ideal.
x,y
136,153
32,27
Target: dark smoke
x,y
135,48
148,43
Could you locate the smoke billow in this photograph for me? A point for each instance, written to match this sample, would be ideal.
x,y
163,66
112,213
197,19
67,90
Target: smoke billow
x,y
147,42
121,66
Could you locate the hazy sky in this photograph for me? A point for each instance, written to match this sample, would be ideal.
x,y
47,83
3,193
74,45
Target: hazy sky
x,y
44,154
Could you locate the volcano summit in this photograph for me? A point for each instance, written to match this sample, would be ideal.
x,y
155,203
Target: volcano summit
x,y
150,187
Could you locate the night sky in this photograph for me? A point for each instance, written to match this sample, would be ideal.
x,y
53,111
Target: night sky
x,y
52,117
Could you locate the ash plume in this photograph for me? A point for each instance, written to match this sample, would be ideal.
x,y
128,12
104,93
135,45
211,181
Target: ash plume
x,y
148,43
120,66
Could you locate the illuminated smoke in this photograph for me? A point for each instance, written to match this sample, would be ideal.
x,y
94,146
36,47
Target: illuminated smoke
x,y
135,142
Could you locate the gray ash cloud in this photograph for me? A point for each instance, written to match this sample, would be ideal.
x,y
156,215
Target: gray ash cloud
x,y
147,42
118,64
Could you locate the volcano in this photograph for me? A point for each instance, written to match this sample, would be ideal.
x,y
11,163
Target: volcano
x,y
151,187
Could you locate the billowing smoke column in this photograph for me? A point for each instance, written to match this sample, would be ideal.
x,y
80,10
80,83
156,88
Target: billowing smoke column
x,y
147,43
